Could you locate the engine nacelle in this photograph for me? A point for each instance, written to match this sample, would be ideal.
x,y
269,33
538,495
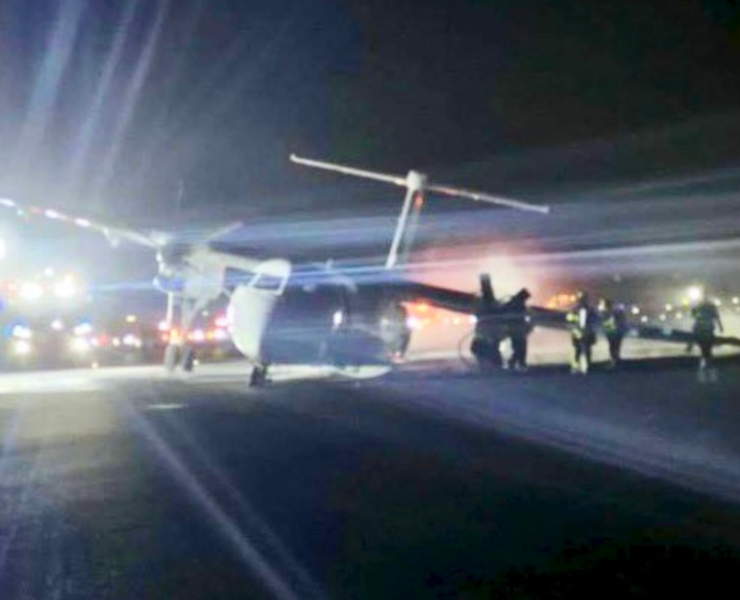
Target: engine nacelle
x,y
185,271
173,256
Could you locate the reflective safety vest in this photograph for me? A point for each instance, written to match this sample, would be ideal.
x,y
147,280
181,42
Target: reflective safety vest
x,y
581,322
614,322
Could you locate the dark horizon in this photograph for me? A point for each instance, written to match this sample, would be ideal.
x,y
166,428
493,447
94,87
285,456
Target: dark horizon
x,y
112,105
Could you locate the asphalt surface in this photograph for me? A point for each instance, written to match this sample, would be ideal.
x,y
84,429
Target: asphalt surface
x,y
426,483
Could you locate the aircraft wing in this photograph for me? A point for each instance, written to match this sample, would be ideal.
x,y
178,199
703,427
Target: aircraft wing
x,y
115,233
668,334
555,319
461,302
454,300
465,302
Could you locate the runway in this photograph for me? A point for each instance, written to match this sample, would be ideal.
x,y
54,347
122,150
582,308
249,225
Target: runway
x,y
429,482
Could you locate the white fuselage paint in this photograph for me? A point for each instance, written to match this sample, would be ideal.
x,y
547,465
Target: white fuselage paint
x,y
252,302
250,311
252,305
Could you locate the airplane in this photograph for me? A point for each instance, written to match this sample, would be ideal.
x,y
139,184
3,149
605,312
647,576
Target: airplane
x,y
283,313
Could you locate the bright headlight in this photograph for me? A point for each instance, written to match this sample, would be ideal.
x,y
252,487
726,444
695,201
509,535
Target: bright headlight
x,y
131,341
65,289
83,329
80,345
31,291
695,293
21,332
22,347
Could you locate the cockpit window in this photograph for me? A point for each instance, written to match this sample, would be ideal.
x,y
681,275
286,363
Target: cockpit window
x,y
268,283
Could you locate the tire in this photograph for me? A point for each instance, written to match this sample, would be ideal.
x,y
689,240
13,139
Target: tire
x,y
394,330
171,357
188,359
258,377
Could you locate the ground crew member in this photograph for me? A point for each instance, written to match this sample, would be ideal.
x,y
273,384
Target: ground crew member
x,y
518,328
706,320
614,326
489,329
582,322
395,330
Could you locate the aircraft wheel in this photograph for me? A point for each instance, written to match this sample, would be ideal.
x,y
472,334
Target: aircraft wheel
x,y
171,357
188,359
394,330
259,376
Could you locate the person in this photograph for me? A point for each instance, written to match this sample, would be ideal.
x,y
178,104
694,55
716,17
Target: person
x,y
706,321
488,334
614,326
582,322
518,328
395,330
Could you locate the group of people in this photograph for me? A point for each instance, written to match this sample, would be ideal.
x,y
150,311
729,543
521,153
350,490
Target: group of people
x,y
510,320
584,323
497,322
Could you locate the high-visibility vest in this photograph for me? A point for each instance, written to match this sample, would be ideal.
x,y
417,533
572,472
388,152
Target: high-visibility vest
x,y
581,322
614,322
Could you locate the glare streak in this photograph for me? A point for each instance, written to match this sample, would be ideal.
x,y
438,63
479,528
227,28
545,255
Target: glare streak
x,y
131,99
534,415
225,525
266,533
56,59
84,140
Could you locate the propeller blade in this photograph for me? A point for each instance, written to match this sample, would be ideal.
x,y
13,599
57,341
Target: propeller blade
x,y
114,233
418,181
223,230
327,166
148,240
487,198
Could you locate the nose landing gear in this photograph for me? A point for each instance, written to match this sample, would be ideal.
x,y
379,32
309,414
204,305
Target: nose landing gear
x,y
258,377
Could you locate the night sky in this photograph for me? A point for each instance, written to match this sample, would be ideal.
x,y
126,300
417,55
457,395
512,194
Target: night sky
x,y
106,105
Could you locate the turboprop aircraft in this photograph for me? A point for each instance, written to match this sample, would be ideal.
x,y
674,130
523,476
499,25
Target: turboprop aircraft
x,y
283,313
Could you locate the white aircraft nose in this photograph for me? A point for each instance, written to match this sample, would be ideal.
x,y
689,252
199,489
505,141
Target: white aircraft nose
x,y
252,304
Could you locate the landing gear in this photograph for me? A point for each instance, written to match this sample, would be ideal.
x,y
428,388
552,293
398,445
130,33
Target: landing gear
x,y
178,353
259,376
394,331
171,357
179,356
187,359
487,352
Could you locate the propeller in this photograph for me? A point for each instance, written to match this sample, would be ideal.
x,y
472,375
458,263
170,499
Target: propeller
x,y
417,182
417,185
171,250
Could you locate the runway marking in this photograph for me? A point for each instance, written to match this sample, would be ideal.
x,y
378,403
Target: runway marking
x,y
166,406
48,383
